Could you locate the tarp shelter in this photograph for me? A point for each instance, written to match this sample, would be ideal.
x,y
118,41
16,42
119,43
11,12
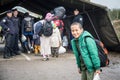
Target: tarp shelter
x,y
96,19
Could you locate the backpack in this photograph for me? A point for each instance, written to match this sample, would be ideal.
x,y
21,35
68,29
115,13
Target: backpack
x,y
28,24
47,28
102,52
59,23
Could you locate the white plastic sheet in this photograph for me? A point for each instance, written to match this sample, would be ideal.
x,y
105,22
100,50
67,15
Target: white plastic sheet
x,y
23,38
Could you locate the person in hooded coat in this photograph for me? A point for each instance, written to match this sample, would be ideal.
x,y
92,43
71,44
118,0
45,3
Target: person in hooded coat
x,y
45,41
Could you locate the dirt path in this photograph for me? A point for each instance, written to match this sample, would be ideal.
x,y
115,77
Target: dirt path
x,y
62,68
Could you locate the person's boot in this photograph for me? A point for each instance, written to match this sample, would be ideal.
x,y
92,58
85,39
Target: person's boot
x,y
53,54
57,55
6,56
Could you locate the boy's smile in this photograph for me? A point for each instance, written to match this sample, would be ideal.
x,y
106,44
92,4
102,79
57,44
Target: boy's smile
x,y
76,31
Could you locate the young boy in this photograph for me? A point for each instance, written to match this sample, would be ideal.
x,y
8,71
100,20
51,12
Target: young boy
x,y
86,54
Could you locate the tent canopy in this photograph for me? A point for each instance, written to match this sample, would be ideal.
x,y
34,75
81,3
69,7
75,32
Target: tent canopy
x,y
95,16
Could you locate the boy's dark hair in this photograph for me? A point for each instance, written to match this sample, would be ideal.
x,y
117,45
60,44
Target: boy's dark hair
x,y
77,23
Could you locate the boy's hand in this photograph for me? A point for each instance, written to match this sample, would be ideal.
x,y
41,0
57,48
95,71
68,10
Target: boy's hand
x,y
97,71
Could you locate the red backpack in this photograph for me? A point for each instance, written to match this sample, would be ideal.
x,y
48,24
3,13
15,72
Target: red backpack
x,y
59,23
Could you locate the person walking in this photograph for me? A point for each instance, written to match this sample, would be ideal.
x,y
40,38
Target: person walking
x,y
27,31
86,53
45,40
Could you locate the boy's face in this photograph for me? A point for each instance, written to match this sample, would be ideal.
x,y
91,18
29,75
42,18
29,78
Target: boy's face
x,y
76,31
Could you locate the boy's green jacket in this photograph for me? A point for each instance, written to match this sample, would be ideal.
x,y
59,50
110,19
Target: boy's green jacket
x,y
88,50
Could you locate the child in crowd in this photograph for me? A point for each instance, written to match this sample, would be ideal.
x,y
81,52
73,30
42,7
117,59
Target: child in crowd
x,y
55,41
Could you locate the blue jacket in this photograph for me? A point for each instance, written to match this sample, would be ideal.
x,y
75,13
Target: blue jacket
x,y
7,23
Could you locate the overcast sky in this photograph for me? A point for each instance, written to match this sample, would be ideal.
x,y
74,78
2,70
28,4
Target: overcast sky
x,y
109,3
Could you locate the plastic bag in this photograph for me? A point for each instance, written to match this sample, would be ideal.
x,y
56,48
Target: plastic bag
x,y
61,50
23,38
96,77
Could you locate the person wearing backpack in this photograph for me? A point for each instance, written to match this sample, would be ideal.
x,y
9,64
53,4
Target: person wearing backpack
x,y
46,36
86,53
27,31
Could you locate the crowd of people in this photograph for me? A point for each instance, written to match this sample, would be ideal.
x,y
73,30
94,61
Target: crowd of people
x,y
26,32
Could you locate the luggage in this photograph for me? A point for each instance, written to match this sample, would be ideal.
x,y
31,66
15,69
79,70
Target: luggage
x,y
59,12
58,23
28,24
47,28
